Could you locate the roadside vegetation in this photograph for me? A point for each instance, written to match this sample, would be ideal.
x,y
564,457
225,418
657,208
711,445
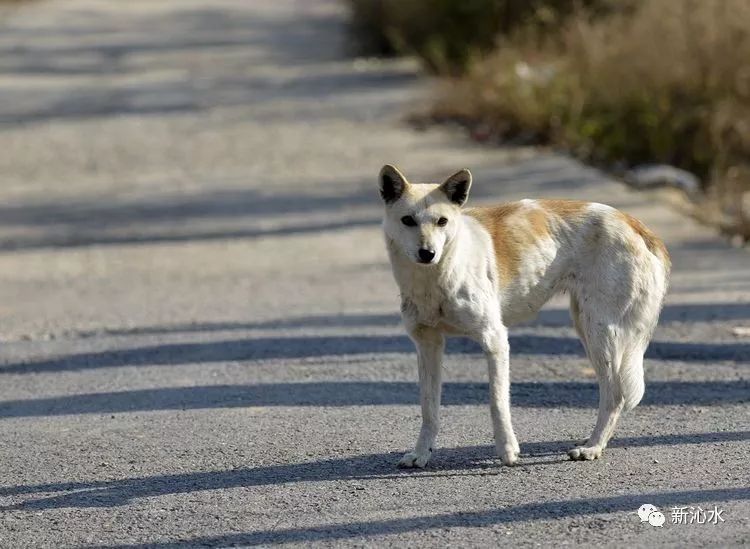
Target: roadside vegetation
x,y
619,83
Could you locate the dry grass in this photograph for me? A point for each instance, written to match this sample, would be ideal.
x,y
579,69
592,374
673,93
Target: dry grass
x,y
448,35
667,82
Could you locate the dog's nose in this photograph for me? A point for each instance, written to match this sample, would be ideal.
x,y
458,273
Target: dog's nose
x,y
425,255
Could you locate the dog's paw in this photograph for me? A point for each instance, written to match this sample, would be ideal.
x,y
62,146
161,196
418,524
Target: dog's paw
x,y
413,460
585,453
509,453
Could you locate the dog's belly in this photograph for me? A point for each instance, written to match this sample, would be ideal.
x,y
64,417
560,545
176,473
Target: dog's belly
x,y
521,302
520,310
451,328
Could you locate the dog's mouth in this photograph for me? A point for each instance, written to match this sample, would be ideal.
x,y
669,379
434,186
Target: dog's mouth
x,y
425,262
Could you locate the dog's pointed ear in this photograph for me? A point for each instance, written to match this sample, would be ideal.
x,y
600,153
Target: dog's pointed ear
x,y
457,186
392,183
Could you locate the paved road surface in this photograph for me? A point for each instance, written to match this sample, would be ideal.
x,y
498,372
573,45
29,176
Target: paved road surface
x,y
200,344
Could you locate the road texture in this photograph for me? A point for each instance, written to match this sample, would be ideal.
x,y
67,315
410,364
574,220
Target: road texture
x,y
200,344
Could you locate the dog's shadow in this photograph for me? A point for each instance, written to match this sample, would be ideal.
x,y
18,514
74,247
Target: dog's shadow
x,y
483,460
459,461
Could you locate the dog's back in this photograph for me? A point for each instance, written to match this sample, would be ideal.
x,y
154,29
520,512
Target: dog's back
x,y
543,247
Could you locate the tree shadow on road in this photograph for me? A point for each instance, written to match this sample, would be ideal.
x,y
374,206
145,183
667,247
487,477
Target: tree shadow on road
x,y
306,346
448,461
209,215
474,519
365,393
166,40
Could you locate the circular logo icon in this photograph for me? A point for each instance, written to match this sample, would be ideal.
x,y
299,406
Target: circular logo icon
x,y
656,518
645,510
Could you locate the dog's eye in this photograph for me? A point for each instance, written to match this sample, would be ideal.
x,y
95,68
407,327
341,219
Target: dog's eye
x,y
408,221
442,222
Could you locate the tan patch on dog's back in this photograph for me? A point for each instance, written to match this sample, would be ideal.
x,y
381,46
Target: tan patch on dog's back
x,y
566,209
653,242
518,226
513,228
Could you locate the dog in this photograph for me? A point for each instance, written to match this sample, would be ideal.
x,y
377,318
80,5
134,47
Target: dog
x,y
474,271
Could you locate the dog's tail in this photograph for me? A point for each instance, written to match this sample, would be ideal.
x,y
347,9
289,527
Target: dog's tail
x,y
630,372
631,381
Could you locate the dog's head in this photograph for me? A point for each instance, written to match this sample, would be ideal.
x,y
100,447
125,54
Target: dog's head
x,y
421,219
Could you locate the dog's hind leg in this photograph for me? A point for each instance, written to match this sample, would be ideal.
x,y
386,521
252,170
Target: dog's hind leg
x,y
430,344
621,387
496,348
603,344
615,337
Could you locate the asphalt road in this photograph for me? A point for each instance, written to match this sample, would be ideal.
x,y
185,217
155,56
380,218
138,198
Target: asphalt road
x,y
200,344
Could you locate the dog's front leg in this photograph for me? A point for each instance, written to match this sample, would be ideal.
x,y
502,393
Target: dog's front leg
x,y
495,344
430,344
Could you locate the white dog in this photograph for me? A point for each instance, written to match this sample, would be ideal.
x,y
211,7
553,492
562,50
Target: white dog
x,y
472,272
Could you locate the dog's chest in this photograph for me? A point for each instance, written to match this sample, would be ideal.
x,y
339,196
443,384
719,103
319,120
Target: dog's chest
x,y
423,302
452,310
